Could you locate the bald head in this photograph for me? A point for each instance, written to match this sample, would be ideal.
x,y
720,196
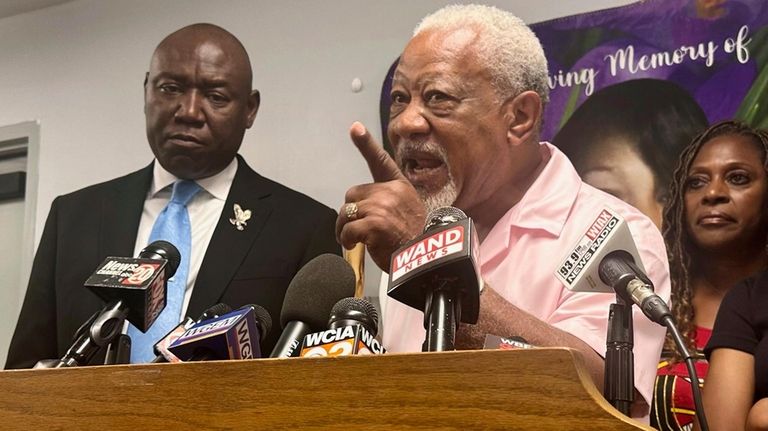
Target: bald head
x,y
198,100
204,36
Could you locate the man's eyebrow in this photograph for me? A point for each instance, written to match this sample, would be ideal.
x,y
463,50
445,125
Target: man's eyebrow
x,y
432,78
207,83
167,75
217,83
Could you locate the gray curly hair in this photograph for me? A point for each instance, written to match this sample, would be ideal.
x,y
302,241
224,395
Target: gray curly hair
x,y
507,46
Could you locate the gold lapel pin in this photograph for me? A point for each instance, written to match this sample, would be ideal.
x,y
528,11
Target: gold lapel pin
x,y
241,218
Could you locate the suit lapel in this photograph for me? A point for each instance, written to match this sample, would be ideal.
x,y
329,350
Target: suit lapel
x,y
229,246
121,213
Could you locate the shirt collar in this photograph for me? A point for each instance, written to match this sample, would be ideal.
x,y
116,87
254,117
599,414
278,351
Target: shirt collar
x,y
216,185
545,205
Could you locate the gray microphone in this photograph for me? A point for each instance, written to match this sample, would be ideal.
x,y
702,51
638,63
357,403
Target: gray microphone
x,y
310,296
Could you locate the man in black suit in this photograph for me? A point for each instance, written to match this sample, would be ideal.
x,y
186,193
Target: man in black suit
x,y
198,104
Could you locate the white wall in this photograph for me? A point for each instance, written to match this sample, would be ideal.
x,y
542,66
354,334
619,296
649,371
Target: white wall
x,y
11,234
78,69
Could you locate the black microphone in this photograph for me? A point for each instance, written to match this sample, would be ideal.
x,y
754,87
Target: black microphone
x,y
353,324
138,284
161,347
618,270
607,233
605,259
234,335
134,289
354,311
438,273
309,298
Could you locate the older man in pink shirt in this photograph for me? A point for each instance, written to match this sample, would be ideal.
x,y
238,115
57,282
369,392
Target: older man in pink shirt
x,y
519,257
466,108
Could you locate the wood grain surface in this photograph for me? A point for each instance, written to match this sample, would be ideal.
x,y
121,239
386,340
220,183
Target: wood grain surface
x,y
535,389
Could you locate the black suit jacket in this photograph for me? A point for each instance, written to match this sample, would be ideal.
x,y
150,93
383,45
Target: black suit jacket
x,y
286,230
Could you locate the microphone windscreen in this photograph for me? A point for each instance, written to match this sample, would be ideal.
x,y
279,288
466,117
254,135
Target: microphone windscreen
x,y
163,250
263,318
314,290
214,311
442,216
358,310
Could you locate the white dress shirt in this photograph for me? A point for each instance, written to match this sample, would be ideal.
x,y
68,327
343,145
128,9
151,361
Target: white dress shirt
x,y
204,213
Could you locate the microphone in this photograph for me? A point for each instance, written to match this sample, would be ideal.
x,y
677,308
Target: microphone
x,y
351,330
606,260
234,335
309,298
438,272
103,329
618,270
161,347
502,343
137,284
134,289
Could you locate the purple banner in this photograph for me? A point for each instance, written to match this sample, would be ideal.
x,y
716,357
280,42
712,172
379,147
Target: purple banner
x,y
632,86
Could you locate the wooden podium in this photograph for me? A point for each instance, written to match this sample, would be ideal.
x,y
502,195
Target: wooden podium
x,y
537,389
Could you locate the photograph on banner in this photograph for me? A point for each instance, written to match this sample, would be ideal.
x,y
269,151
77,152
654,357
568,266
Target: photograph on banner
x,y
632,86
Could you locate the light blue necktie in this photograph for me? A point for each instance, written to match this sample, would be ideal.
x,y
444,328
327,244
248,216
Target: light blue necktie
x,y
172,225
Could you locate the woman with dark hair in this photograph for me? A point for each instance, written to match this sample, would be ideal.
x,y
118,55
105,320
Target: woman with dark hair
x,y
626,140
715,230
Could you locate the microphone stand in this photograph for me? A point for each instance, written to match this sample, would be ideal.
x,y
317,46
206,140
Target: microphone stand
x,y
118,350
441,318
104,328
619,381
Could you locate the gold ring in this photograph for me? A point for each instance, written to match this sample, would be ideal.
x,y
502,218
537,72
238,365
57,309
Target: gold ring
x,y
350,210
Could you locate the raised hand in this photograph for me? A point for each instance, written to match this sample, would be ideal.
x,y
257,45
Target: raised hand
x,y
384,214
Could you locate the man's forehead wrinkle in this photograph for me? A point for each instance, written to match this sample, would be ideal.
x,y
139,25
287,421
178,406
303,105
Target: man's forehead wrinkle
x,y
211,51
436,76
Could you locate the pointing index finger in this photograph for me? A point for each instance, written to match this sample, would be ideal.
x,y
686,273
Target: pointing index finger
x,y
381,165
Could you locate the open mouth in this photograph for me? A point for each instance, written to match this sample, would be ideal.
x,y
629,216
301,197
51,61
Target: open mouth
x,y
425,170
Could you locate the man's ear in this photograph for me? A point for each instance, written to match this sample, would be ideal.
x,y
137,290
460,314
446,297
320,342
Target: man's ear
x,y
146,81
523,115
254,100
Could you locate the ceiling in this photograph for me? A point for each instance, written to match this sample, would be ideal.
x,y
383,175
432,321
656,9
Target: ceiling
x,y
16,7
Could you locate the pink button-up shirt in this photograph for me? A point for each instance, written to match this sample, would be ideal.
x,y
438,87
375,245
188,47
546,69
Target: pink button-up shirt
x,y
520,255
